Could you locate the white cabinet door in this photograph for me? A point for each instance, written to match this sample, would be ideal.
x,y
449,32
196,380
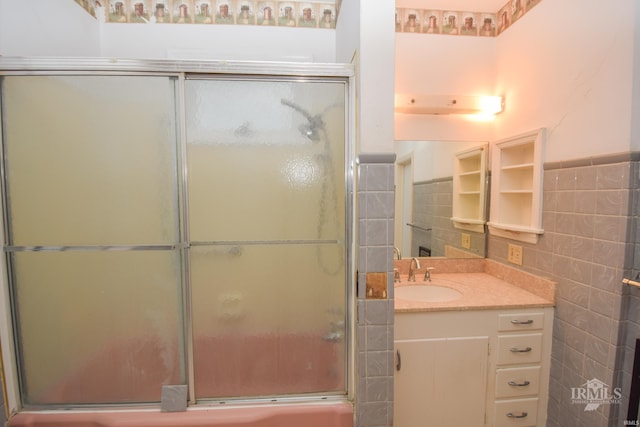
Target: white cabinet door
x,y
441,382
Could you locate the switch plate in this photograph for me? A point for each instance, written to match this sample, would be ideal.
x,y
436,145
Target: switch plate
x,y
515,254
465,240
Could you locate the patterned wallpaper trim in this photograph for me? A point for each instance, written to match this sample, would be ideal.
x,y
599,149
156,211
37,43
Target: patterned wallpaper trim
x,y
303,14
460,23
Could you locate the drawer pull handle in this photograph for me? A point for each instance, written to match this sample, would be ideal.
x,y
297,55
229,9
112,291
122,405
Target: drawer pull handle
x,y
522,322
520,350
521,415
522,384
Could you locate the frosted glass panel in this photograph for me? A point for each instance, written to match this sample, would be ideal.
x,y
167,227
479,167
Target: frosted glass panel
x,y
265,160
91,160
98,327
268,319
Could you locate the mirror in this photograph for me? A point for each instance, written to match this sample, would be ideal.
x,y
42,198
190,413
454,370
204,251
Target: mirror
x,y
426,174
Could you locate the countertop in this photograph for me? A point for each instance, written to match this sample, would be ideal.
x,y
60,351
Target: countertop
x,y
480,291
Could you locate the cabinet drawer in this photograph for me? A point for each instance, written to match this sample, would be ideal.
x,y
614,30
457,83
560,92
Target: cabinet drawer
x,y
519,348
515,382
520,412
520,321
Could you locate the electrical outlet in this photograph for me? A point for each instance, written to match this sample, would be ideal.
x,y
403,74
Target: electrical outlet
x,y
515,254
466,240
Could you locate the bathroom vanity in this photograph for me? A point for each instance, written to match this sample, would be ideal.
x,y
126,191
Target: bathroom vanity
x,y
479,359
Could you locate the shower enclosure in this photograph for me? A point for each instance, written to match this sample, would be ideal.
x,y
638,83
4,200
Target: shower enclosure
x,y
176,223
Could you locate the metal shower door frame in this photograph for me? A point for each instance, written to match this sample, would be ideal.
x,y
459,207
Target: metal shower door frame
x,y
180,69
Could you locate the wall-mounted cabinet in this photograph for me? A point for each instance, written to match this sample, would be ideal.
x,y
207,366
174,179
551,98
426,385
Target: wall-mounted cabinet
x,y
469,189
516,187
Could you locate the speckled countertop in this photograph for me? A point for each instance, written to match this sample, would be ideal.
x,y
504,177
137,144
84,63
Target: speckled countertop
x,y
490,286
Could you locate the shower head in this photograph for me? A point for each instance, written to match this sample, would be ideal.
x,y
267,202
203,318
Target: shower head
x,y
312,129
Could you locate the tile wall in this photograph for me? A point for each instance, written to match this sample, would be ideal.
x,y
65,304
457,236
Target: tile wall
x,y
374,388
586,218
433,209
423,216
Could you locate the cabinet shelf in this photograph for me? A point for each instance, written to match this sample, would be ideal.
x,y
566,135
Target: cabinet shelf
x,y
463,221
517,191
469,189
515,228
516,187
516,167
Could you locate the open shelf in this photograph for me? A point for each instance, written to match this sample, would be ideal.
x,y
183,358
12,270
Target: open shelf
x,y
469,189
516,187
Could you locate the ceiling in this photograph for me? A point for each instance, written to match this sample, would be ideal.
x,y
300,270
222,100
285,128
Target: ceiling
x,y
492,6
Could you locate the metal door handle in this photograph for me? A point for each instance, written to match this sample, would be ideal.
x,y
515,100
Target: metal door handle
x,y
518,350
522,415
398,360
522,384
522,322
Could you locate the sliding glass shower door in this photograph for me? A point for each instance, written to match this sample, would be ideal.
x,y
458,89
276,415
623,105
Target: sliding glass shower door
x,y
92,221
175,229
267,229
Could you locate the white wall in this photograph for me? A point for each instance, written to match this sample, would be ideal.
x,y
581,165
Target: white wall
x,y
433,159
444,65
568,66
365,37
229,42
47,28
348,31
63,28
376,76
635,111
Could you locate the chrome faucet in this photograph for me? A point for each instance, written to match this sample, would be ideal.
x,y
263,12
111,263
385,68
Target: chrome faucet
x,y
427,274
412,272
396,252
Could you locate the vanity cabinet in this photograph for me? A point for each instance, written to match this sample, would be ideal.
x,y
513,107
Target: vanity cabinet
x,y
472,368
469,192
516,187
430,371
519,369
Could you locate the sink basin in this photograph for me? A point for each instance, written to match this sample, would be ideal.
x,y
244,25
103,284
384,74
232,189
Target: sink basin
x,y
426,293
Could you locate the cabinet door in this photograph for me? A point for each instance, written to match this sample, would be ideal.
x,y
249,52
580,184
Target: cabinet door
x,y
440,382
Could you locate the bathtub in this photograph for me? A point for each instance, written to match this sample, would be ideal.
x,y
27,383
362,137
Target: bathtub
x,y
330,414
134,370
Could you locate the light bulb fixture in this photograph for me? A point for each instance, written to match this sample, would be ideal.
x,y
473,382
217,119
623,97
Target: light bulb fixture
x,y
448,104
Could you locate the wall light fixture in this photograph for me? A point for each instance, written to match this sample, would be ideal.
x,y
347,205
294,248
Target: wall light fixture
x,y
448,104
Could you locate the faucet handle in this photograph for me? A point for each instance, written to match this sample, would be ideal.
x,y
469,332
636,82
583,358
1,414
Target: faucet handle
x,y
427,274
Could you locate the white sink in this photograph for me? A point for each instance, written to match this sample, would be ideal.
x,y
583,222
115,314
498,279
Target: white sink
x,y
426,293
